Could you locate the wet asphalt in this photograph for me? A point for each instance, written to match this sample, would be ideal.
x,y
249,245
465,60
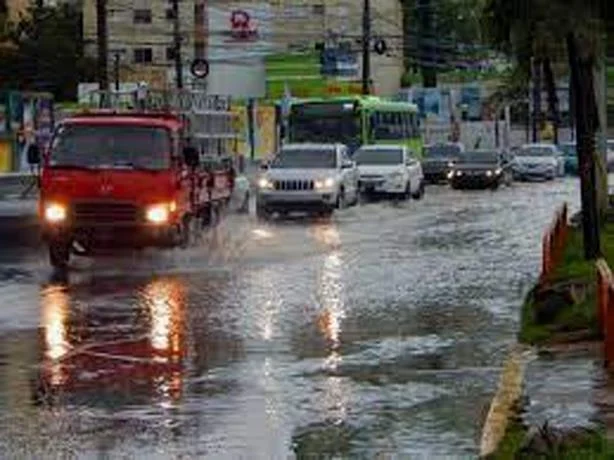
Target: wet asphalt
x,y
381,331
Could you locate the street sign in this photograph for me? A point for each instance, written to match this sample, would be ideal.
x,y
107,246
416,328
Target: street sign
x,y
199,68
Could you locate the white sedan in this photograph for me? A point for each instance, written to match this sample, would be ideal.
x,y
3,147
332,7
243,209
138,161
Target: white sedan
x,y
389,170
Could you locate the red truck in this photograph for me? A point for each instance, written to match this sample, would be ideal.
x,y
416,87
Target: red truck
x,y
112,179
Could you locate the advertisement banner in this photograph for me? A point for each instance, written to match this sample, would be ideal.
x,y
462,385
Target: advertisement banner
x,y
240,126
265,131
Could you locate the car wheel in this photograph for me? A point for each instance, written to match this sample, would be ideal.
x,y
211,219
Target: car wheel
x,y
341,200
420,193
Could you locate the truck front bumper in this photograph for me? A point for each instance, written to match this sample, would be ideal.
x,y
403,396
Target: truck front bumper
x,y
114,235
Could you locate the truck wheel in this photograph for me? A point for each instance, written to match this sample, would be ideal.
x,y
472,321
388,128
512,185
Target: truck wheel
x,y
59,254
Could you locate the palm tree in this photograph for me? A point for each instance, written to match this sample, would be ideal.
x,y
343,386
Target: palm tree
x,y
546,31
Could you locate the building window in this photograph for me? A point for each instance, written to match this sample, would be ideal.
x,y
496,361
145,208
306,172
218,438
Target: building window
x,y
170,14
170,53
319,9
143,55
142,16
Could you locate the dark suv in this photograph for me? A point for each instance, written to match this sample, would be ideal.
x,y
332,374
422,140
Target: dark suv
x,y
439,159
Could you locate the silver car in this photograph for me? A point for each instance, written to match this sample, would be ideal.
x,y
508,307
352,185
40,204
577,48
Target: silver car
x,y
315,178
543,161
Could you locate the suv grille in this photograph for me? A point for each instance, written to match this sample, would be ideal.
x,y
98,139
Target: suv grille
x,y
294,185
98,212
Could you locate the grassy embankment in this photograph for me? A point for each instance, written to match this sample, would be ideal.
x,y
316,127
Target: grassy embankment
x,y
577,277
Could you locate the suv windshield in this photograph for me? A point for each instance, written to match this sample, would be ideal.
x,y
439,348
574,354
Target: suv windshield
x,y
306,159
111,146
450,150
479,157
535,151
380,156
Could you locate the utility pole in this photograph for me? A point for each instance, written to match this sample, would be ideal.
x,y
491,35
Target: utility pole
x,y
427,44
102,40
117,54
366,47
177,44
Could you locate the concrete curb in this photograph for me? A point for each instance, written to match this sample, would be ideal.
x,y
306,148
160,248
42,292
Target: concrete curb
x,y
509,391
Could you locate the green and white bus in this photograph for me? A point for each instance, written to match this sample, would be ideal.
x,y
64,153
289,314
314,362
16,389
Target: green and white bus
x,y
353,121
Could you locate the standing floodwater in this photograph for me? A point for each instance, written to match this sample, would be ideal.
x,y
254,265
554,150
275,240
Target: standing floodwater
x,y
381,331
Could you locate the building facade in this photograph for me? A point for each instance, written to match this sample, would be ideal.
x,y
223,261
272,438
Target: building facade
x,y
141,33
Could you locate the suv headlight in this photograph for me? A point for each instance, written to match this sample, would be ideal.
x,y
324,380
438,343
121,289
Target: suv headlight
x,y
265,183
324,183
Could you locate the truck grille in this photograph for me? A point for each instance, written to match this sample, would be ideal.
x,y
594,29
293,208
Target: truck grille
x,y
105,212
294,185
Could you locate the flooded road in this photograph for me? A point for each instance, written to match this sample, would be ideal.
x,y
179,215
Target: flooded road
x,y
379,332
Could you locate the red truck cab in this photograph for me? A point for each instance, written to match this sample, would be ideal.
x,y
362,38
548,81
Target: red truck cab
x,y
115,180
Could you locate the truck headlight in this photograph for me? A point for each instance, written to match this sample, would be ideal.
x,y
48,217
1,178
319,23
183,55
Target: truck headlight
x,y
158,214
265,183
55,212
324,183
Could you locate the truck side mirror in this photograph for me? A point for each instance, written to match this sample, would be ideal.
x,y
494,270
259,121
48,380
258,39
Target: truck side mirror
x,y
191,157
34,155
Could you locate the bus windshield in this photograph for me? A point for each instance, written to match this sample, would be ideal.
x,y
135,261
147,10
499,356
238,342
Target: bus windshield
x,y
111,146
321,123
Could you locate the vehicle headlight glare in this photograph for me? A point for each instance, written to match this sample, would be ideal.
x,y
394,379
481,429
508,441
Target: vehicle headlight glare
x,y
158,214
488,173
459,173
498,171
55,212
325,183
265,183
451,174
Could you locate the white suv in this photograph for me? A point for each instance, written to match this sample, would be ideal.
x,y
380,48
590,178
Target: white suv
x,y
308,177
390,170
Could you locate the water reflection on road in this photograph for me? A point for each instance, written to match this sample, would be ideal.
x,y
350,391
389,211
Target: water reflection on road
x,y
381,331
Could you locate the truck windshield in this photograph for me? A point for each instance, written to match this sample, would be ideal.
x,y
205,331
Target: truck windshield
x,y
111,146
306,159
380,156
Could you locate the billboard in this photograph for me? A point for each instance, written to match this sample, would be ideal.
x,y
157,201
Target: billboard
x,y
240,36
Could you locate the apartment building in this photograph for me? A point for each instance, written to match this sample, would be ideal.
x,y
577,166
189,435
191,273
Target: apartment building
x,y
238,33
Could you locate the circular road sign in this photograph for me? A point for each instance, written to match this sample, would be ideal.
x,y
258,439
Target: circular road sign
x,y
200,68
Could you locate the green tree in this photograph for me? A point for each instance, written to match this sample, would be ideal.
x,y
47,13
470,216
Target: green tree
x,y
46,52
555,32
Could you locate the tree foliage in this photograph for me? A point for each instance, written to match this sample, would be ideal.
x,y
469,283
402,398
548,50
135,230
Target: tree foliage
x,y
43,51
